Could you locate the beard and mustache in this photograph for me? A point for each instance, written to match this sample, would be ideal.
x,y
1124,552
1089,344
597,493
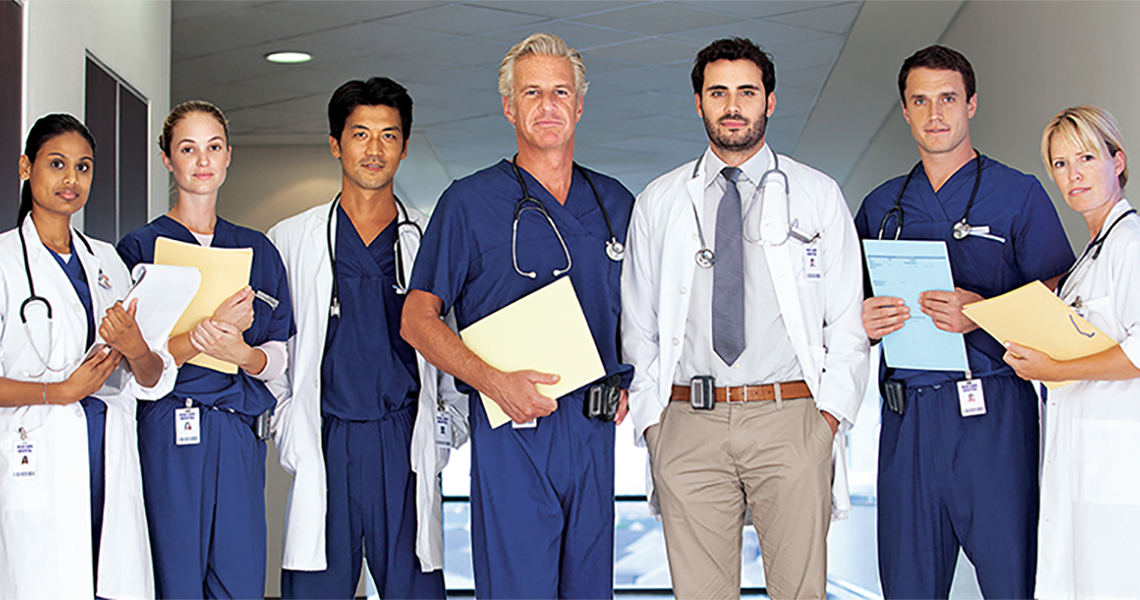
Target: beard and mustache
x,y
741,140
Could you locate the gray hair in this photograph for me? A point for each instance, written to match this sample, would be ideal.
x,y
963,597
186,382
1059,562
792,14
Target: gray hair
x,y
543,44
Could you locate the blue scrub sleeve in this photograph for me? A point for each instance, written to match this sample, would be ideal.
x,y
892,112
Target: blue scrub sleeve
x,y
1040,244
281,326
445,253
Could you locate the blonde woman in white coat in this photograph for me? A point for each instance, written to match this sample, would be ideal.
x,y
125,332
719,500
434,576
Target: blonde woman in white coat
x,y
1089,528
72,522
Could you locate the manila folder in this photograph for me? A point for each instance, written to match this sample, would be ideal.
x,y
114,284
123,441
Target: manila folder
x,y
1036,318
225,271
545,331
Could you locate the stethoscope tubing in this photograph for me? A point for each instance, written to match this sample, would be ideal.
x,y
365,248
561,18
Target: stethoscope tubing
x,y
961,228
615,250
401,276
33,298
706,257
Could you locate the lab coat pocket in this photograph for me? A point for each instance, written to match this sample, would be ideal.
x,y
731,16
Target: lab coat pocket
x,y
1098,311
1099,446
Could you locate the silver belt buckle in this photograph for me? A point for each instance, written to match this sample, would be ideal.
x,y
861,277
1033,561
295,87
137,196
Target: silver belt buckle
x,y
728,395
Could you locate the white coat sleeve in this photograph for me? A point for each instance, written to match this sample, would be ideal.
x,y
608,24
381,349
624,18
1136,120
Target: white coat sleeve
x,y
846,348
639,325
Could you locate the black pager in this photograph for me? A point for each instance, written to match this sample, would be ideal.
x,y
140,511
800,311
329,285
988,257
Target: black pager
x,y
263,425
894,394
602,399
702,392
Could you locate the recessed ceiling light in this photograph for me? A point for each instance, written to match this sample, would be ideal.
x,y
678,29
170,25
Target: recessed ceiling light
x,y
288,58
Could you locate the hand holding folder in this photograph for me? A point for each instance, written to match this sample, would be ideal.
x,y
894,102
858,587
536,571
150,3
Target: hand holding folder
x,y
545,331
225,271
1034,317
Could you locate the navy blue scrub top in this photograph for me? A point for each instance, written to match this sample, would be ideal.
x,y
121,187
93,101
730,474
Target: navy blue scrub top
x,y
239,392
74,270
368,370
1013,205
465,258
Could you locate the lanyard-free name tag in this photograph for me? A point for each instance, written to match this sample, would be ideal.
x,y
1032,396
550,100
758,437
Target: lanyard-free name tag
x,y
187,426
812,268
442,429
971,400
24,465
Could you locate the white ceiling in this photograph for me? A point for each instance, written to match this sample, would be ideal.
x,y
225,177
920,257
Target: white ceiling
x,y
639,119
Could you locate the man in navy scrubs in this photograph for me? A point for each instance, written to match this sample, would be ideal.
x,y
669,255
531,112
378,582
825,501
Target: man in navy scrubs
x,y
542,505
947,480
356,414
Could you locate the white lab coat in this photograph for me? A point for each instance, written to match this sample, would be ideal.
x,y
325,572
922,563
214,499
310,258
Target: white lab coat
x,y
303,243
1089,528
45,522
823,316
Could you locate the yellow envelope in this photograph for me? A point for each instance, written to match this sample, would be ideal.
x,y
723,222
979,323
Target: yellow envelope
x,y
545,331
225,271
1035,317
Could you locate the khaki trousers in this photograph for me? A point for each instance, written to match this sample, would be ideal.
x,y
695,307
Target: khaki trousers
x,y
709,465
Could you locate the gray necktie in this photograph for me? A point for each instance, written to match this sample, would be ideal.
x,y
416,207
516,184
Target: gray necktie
x,y
728,274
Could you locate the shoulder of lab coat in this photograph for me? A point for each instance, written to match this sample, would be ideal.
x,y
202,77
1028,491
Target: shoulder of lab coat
x,y
303,243
125,562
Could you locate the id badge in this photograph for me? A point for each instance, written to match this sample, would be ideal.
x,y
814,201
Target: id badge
x,y
24,467
187,426
971,400
442,429
812,269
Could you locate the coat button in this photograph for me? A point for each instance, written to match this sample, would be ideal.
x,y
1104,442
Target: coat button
x,y
684,290
676,342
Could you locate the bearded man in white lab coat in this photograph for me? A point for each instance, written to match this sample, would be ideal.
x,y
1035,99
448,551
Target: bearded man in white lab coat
x,y
741,304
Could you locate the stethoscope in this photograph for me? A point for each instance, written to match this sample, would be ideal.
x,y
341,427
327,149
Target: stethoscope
x,y
961,228
1092,252
615,250
33,298
401,276
706,258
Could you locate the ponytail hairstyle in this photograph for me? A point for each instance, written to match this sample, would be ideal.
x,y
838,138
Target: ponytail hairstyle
x,y
47,128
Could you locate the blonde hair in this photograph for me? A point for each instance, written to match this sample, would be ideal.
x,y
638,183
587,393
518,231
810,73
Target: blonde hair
x,y
1090,128
181,111
543,44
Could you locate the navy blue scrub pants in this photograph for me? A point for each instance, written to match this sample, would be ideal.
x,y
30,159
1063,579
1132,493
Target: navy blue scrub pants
x,y
542,505
96,413
371,507
205,503
947,481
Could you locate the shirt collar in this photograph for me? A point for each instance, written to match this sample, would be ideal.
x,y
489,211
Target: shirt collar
x,y
753,168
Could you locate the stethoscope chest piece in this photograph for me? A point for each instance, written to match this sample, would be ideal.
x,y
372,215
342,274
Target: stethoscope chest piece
x,y
705,258
961,230
615,250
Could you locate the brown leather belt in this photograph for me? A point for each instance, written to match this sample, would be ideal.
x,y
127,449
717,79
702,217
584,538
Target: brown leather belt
x,y
751,393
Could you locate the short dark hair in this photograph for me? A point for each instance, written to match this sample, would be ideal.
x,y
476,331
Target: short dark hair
x,y
45,129
939,58
377,91
734,49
